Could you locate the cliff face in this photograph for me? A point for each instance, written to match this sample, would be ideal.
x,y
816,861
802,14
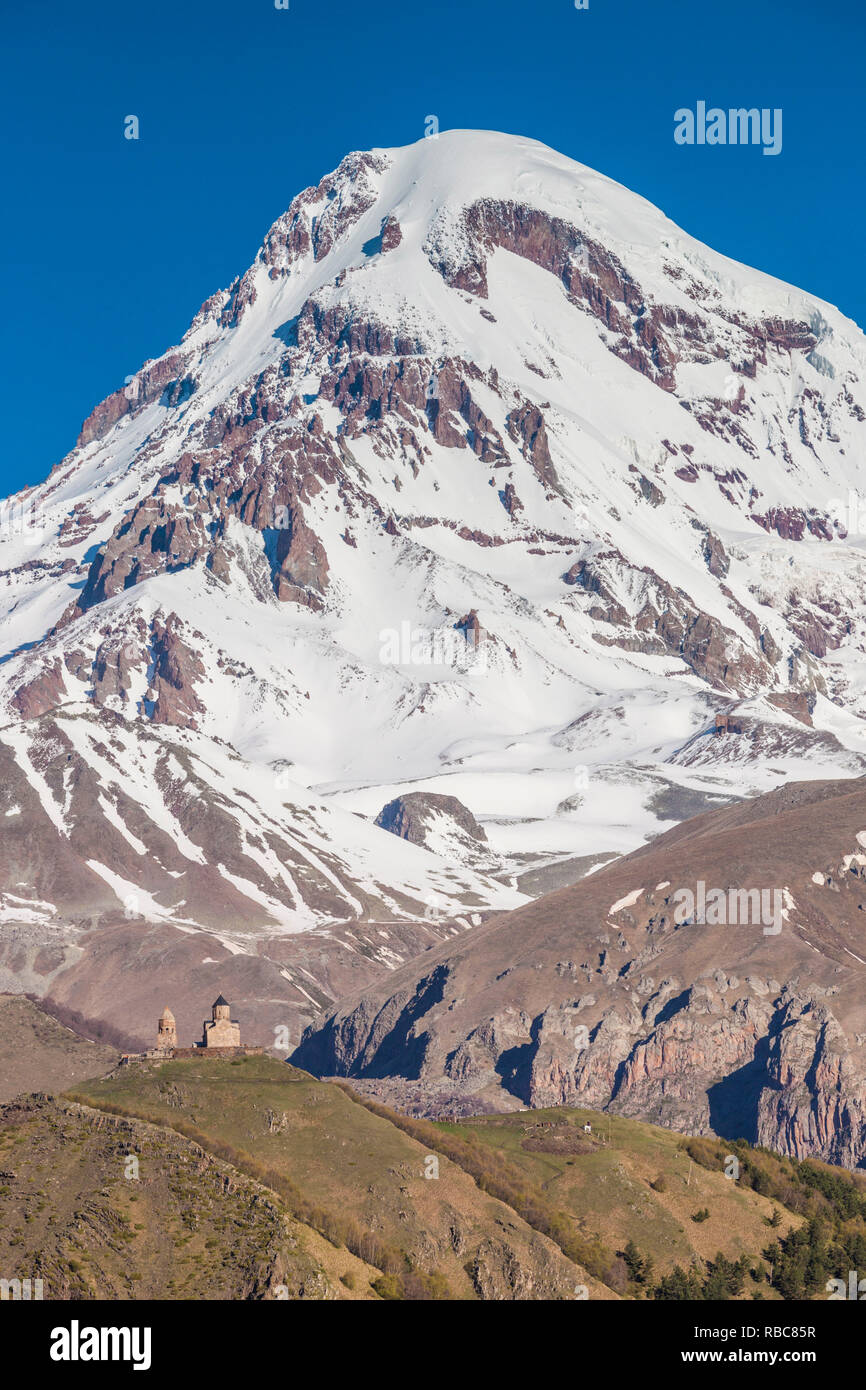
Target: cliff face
x,y
608,995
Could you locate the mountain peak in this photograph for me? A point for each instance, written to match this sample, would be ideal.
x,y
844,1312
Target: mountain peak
x,y
484,482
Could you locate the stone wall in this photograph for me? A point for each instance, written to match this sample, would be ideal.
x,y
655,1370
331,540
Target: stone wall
x,y
218,1052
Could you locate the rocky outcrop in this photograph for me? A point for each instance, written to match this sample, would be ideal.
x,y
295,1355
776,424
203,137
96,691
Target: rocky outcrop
x,y
300,563
739,1026
526,426
653,617
162,380
801,705
175,672
157,537
414,815
42,693
716,556
162,536
593,277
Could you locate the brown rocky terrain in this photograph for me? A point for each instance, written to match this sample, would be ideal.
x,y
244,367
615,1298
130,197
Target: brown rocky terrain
x,y
37,1053
605,994
185,1226
410,816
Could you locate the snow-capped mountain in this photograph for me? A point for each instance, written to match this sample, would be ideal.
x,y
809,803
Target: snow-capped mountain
x,y
486,481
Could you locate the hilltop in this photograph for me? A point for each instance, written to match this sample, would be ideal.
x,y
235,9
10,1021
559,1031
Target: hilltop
x,y
355,1176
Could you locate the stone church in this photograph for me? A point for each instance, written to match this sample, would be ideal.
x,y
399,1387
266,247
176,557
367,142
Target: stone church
x,y
221,1037
221,1030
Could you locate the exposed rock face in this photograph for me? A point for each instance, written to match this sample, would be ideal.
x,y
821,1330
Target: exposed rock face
x,y
301,568
164,378
654,617
162,536
526,426
410,816
441,824
175,672
44,692
607,995
392,235
592,277
801,705
716,556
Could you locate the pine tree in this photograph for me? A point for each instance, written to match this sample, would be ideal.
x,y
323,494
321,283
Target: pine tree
x,y
634,1262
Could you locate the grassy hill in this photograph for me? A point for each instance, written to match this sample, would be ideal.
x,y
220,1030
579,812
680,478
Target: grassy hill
x,y
258,1181
719,1220
188,1226
604,1181
353,1175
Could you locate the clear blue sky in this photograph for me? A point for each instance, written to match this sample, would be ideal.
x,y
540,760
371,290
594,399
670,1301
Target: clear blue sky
x,y
110,246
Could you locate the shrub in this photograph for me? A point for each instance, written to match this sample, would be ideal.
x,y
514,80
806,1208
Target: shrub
x,y
389,1287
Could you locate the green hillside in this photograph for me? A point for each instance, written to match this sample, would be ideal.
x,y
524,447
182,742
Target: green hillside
x,y
254,1180
354,1176
174,1223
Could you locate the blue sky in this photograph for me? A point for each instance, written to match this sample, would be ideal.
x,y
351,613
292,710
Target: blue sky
x,y
110,246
